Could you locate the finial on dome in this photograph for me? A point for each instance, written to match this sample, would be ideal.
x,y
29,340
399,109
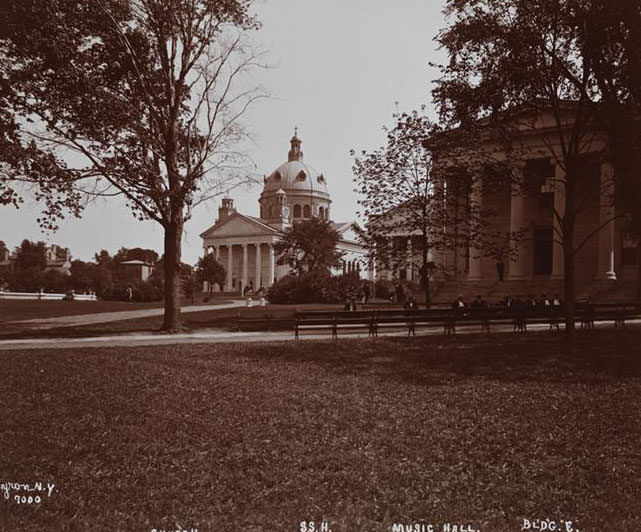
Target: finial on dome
x,y
294,153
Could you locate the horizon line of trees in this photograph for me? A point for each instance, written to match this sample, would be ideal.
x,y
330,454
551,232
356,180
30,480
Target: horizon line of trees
x,y
29,271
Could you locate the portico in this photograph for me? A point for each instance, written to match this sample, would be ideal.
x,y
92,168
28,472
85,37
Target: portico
x,y
256,258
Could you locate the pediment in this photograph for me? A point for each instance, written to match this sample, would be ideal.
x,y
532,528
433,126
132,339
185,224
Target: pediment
x,y
238,225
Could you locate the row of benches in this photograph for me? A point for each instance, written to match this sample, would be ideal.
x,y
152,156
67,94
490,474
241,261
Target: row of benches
x,y
448,319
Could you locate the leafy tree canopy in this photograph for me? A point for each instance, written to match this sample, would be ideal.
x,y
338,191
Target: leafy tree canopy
x,y
309,245
210,270
146,95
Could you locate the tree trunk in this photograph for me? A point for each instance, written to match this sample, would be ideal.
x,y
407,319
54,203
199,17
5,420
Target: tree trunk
x,y
639,273
425,280
173,236
568,277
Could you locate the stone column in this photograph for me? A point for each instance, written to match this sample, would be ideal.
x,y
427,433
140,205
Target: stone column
x,y
371,270
259,266
559,211
474,254
606,222
217,252
244,281
228,286
270,273
517,201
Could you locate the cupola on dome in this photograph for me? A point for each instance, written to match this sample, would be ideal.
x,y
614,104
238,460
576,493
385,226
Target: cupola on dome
x,y
295,173
296,186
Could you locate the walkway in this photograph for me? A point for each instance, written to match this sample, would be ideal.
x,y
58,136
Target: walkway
x,y
215,336
106,317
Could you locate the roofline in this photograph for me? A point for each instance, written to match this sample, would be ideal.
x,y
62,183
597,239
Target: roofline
x,y
220,223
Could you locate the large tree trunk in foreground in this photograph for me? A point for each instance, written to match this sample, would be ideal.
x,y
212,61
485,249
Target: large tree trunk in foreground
x,y
568,271
173,237
638,294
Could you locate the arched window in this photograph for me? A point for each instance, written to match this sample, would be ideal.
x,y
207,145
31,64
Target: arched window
x,y
301,176
307,211
297,211
277,176
321,212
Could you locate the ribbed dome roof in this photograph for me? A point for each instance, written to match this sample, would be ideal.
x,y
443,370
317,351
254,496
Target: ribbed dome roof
x,y
295,175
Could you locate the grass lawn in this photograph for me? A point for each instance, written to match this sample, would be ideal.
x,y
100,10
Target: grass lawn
x,y
224,319
360,433
16,309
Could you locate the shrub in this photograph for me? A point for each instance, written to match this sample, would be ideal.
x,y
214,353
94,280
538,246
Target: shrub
x,y
345,287
312,287
315,287
384,289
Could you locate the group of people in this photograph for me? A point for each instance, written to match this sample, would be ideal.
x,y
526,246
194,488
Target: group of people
x,y
513,304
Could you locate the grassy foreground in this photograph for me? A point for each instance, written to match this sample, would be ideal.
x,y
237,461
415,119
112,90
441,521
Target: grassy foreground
x,y
360,433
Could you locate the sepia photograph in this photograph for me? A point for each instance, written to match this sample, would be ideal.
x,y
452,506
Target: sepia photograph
x,y
320,265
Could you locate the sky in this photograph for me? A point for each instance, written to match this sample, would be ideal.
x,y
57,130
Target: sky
x,y
338,69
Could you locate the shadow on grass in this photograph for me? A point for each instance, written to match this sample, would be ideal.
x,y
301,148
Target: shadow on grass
x,y
596,356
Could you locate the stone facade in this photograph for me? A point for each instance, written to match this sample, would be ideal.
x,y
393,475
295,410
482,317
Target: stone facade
x,y
529,204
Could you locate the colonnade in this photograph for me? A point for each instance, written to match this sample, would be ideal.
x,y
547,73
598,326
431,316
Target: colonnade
x,y
515,266
259,279
605,221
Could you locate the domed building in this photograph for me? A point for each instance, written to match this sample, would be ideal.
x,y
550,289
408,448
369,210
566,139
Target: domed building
x,y
244,244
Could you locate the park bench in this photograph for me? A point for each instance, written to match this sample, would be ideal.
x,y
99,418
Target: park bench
x,y
618,313
373,320
587,314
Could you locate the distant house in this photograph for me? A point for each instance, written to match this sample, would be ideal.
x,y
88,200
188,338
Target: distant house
x,y
134,270
58,259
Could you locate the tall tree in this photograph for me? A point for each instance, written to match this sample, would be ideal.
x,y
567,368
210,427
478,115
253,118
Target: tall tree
x,y
28,272
210,270
402,192
309,245
145,94
512,64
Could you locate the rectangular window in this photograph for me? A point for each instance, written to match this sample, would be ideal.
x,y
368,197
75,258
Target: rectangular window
x,y
543,244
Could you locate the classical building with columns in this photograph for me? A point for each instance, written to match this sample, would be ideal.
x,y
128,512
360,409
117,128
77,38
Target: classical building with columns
x,y
529,204
244,244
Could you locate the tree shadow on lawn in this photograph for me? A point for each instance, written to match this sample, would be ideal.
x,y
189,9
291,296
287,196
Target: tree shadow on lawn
x,y
597,356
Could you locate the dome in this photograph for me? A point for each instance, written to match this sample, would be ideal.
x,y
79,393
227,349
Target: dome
x,y
294,191
295,175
